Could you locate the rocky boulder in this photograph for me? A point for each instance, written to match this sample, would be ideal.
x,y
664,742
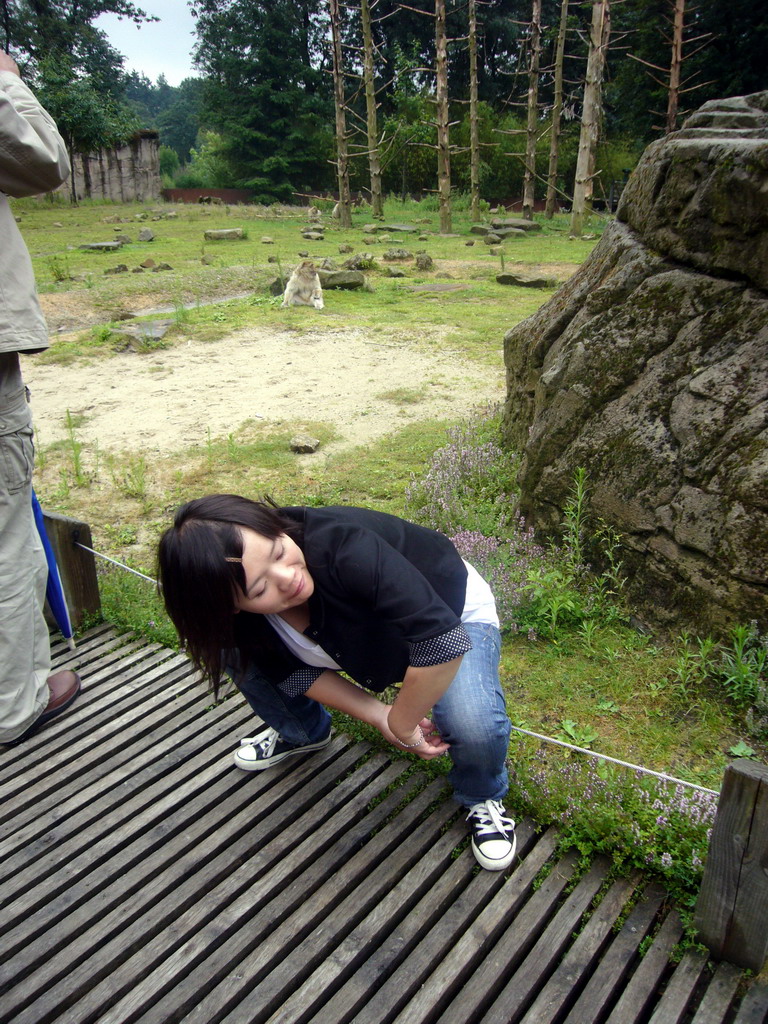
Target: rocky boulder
x,y
649,368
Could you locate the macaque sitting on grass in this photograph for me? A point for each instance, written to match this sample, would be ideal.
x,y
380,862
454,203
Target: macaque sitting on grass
x,y
303,288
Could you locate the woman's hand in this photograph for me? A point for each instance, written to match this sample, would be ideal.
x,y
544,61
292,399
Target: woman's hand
x,y
424,741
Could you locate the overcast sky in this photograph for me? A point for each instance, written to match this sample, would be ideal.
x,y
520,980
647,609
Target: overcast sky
x,y
159,47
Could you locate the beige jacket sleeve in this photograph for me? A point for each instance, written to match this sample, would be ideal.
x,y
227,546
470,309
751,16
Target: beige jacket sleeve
x,y
33,157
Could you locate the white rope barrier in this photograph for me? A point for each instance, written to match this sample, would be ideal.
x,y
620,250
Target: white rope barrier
x,y
115,562
615,760
517,728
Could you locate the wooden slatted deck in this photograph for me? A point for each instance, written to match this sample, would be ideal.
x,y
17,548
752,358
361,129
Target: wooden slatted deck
x,y
145,879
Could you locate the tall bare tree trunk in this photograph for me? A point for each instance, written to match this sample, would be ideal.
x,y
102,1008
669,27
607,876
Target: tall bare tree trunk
x,y
532,131
675,65
474,128
374,160
557,112
443,130
342,157
591,115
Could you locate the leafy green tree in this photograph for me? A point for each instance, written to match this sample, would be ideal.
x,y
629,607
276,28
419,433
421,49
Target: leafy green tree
x,y
87,119
208,167
268,93
44,30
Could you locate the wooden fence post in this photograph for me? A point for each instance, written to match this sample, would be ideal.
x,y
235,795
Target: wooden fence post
x,y
77,568
732,909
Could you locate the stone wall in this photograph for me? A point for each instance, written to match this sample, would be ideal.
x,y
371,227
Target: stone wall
x,y
650,369
130,173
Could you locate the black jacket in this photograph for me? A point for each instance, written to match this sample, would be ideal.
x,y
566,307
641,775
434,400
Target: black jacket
x,y
388,594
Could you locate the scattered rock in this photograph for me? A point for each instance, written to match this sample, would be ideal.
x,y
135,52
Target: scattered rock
x,y
146,235
492,239
303,444
223,234
147,263
479,229
161,266
361,261
344,279
469,243
140,334
370,240
313,236
121,268
266,240
398,254
526,280
304,253
327,264
424,261
423,238
277,286
57,224
346,248
515,222
125,239
271,259
397,227
395,272
101,246
509,232
371,229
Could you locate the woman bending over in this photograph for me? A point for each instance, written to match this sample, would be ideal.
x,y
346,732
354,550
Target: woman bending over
x,y
284,599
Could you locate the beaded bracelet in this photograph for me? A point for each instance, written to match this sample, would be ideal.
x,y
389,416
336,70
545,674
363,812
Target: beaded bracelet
x,y
409,746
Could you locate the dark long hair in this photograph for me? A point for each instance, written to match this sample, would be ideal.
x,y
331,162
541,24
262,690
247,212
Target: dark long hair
x,y
198,581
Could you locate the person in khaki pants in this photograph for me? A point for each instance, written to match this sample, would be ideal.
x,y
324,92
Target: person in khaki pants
x,y
33,159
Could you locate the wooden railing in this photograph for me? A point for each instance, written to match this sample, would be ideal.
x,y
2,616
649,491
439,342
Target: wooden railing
x,y
732,909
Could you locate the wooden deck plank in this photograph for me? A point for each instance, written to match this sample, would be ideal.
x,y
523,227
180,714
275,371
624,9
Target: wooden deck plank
x,y
147,794
528,979
615,964
400,959
335,963
674,1003
643,987
147,881
103,932
718,999
754,1006
570,976
185,911
289,895
78,766
472,958
438,955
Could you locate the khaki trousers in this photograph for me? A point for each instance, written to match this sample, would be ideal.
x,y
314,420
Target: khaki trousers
x,y
25,656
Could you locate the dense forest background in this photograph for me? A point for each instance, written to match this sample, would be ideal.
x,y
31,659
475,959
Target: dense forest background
x,y
261,113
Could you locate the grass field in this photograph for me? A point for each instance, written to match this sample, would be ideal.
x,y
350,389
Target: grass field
x,y
647,699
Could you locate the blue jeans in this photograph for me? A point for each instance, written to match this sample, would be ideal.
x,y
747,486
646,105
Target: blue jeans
x,y
471,716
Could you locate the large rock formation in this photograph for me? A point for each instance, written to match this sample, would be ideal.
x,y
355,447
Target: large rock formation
x,y
650,369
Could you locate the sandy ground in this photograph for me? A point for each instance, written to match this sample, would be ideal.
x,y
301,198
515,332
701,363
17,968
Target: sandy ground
x,y
171,399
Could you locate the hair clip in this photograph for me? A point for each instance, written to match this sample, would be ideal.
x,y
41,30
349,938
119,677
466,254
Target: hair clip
x,y
226,559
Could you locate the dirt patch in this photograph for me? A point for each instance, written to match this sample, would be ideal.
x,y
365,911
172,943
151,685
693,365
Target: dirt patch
x,y
170,399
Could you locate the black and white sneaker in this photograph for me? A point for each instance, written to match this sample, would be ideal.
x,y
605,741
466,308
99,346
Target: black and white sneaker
x,y
268,748
493,835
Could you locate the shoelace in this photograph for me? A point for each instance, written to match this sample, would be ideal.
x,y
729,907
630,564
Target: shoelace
x,y
489,818
265,740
